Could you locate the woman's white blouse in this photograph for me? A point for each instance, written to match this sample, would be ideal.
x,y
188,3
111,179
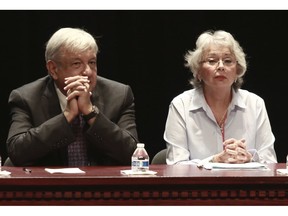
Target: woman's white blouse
x,y
192,133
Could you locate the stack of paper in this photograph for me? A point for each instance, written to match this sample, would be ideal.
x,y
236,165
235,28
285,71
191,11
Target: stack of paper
x,y
4,173
65,170
131,172
251,165
282,171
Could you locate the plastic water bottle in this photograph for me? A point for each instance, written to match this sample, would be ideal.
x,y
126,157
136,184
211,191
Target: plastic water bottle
x,y
140,159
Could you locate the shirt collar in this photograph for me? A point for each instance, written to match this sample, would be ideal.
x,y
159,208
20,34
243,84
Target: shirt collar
x,y
198,100
237,100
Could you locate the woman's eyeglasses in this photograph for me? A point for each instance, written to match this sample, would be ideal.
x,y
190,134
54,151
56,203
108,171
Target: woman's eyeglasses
x,y
216,62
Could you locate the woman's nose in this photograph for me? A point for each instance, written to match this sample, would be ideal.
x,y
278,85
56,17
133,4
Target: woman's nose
x,y
220,65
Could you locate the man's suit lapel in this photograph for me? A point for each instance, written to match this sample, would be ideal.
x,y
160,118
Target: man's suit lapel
x,y
49,101
97,97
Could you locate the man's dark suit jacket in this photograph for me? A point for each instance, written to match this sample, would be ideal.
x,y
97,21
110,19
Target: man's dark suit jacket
x,y
39,132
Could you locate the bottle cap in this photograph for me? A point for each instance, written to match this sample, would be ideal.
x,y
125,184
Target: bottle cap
x,y
140,145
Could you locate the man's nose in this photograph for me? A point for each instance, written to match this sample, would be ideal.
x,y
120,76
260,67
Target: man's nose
x,y
87,70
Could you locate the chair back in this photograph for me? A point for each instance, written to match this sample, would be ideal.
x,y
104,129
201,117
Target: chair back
x,y
8,162
160,157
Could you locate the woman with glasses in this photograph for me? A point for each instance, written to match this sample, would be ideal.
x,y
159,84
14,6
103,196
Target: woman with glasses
x,y
217,121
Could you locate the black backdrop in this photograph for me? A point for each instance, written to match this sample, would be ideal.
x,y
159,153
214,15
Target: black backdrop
x,y
145,49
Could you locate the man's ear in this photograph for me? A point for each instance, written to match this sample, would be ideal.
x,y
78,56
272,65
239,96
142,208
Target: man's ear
x,y
52,69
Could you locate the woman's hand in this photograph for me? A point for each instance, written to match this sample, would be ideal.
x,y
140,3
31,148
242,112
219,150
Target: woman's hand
x,y
234,151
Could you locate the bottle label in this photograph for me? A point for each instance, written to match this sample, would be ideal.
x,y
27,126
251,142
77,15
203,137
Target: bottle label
x,y
140,165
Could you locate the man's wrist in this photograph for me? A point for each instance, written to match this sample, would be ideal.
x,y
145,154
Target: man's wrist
x,y
94,112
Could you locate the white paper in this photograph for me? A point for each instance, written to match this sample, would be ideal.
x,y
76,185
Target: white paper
x,y
64,170
282,171
131,172
4,173
251,165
